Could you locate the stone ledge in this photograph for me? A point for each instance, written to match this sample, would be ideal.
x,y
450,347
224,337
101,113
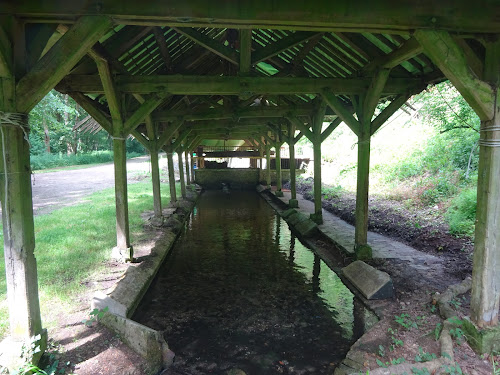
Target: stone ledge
x,y
372,283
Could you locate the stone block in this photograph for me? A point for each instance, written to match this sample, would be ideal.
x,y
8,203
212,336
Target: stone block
x,y
278,193
363,252
287,213
296,218
293,203
307,228
372,283
482,340
147,342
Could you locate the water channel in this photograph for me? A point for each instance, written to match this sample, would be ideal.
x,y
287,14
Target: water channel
x,y
239,291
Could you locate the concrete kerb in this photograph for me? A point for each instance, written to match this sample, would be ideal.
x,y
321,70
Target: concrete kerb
x,y
123,298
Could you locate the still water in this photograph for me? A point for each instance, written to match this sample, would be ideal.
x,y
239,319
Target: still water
x,y
239,291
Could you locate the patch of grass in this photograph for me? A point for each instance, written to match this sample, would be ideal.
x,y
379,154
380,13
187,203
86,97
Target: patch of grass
x,y
73,243
462,212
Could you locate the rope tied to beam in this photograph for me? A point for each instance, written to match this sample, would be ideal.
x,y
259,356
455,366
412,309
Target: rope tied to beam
x,y
18,120
489,142
493,128
360,143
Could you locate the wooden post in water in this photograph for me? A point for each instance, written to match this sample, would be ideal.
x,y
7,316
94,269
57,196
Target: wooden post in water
x,y
317,125
293,202
268,165
155,179
188,174
181,174
279,180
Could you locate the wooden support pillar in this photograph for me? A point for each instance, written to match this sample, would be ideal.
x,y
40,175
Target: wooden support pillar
x,y
18,229
171,175
293,202
485,297
188,174
268,166
317,125
155,177
279,179
181,174
123,249
192,168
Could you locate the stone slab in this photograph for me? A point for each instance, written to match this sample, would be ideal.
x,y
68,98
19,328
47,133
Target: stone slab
x,y
372,283
482,340
287,213
307,228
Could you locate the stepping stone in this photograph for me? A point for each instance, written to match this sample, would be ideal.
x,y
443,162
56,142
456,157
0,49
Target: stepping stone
x,y
372,283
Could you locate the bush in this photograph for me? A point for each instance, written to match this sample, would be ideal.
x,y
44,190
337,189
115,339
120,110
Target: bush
x,y
46,161
462,213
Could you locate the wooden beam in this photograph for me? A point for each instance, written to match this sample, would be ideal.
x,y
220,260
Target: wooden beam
x,y
92,108
299,124
377,16
281,45
182,136
141,139
245,51
112,96
406,51
162,45
169,132
59,60
210,44
5,54
341,111
373,94
451,60
144,110
329,130
233,85
388,112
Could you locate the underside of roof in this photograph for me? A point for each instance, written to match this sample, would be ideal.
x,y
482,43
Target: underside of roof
x,y
239,72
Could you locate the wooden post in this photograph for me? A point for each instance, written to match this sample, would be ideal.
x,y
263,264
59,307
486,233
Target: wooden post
x,y
293,202
123,249
18,228
181,174
279,180
191,165
317,217
268,166
188,174
485,297
155,177
171,175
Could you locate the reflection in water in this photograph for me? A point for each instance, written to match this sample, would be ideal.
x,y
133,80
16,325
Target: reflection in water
x,y
239,291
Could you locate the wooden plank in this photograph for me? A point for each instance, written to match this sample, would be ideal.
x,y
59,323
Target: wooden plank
x,y
144,110
141,139
245,51
181,138
210,44
451,60
57,62
92,108
233,85
169,132
341,111
388,112
281,45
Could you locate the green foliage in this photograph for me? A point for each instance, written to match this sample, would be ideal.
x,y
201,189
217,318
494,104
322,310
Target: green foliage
x,y
452,370
395,340
416,371
46,161
462,212
423,356
95,316
437,331
405,321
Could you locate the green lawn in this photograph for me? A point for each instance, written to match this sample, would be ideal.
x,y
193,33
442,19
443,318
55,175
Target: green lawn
x,y
73,243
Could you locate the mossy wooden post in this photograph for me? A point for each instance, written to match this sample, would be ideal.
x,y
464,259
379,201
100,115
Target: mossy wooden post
x,y
181,174
485,298
188,174
317,125
483,97
191,165
155,177
293,202
279,179
171,175
268,165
